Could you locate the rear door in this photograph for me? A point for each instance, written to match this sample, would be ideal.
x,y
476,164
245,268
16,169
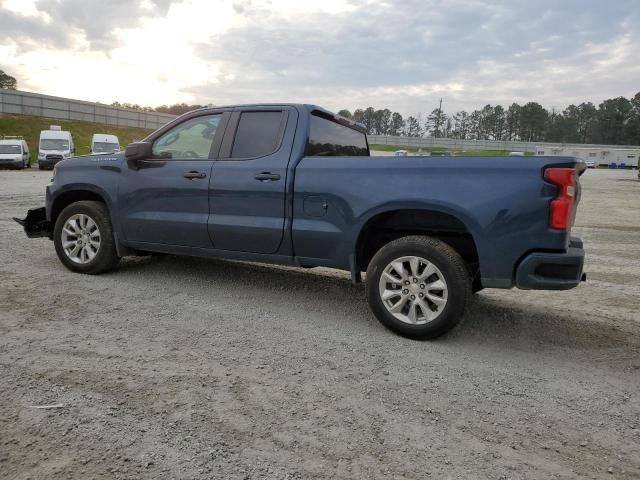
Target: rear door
x,y
165,199
248,181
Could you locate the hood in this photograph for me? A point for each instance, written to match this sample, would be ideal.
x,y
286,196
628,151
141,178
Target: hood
x,y
10,156
92,160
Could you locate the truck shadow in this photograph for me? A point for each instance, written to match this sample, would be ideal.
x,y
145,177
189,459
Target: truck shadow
x,y
505,323
494,323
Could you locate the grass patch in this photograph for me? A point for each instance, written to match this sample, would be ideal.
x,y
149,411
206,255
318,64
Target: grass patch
x,y
459,153
30,127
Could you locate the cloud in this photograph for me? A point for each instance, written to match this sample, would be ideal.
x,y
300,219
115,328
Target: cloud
x,y
401,54
469,52
53,22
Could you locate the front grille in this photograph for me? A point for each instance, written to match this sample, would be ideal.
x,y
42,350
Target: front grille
x,y
54,157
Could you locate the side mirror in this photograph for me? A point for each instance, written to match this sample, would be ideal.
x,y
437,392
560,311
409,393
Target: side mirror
x,y
138,151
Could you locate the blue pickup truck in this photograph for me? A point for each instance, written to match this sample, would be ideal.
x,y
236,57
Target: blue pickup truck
x,y
295,185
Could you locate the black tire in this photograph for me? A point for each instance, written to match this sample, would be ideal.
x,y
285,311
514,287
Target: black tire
x,y
107,257
23,166
446,260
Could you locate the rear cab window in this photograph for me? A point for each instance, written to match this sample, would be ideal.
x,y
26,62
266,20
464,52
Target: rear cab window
x,y
328,138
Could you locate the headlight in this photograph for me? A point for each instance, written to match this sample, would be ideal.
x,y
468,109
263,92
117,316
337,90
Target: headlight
x,y
40,155
66,155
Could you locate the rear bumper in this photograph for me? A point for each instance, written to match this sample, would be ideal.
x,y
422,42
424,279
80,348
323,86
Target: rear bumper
x,y
552,271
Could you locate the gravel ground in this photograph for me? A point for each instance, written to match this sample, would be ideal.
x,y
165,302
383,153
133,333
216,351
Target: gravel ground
x,y
185,368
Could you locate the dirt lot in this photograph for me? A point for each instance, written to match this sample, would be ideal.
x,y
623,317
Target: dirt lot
x,y
184,368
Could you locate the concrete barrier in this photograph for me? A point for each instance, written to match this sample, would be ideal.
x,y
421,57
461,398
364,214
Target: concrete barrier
x,y
17,102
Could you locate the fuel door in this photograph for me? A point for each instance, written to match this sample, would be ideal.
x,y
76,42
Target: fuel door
x,y
315,206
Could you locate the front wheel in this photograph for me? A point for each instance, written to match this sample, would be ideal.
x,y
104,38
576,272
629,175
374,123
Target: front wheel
x,y
83,238
418,287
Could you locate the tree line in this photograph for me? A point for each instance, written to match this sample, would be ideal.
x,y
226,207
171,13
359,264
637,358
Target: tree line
x,y
615,121
175,109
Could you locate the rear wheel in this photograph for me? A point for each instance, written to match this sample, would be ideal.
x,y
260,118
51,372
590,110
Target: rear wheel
x,y
418,287
83,238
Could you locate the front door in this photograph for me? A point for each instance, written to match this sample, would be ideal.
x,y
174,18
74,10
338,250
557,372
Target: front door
x,y
248,181
165,199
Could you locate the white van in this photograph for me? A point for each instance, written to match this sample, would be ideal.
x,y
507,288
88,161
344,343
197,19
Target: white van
x,y
55,145
104,143
14,152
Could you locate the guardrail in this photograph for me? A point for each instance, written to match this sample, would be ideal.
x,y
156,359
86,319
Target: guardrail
x,y
17,102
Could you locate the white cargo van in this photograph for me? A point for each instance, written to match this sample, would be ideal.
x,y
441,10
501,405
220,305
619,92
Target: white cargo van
x,y
104,143
14,152
55,145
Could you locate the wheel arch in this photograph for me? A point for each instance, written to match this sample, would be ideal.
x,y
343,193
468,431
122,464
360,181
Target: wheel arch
x,y
439,221
76,194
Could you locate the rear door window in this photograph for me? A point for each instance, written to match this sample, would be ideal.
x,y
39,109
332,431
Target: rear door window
x,y
258,134
330,139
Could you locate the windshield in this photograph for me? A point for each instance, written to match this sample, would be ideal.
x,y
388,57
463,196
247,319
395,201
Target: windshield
x,y
54,144
10,149
105,147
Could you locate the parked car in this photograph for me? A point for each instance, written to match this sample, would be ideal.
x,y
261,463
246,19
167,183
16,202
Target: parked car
x,y
294,184
55,145
14,152
104,143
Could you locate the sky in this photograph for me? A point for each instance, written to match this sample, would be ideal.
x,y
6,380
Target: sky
x,y
399,54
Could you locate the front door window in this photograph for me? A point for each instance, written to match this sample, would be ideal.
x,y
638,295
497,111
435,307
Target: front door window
x,y
190,140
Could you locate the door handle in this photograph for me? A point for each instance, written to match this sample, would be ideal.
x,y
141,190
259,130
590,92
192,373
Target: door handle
x,y
267,176
193,174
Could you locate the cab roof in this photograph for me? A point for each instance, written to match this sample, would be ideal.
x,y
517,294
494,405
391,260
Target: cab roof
x,y
104,137
312,109
61,134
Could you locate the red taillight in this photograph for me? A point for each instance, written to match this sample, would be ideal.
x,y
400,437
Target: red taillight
x,y
562,207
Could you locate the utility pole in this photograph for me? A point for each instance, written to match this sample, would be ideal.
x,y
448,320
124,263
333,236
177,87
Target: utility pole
x,y
439,118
